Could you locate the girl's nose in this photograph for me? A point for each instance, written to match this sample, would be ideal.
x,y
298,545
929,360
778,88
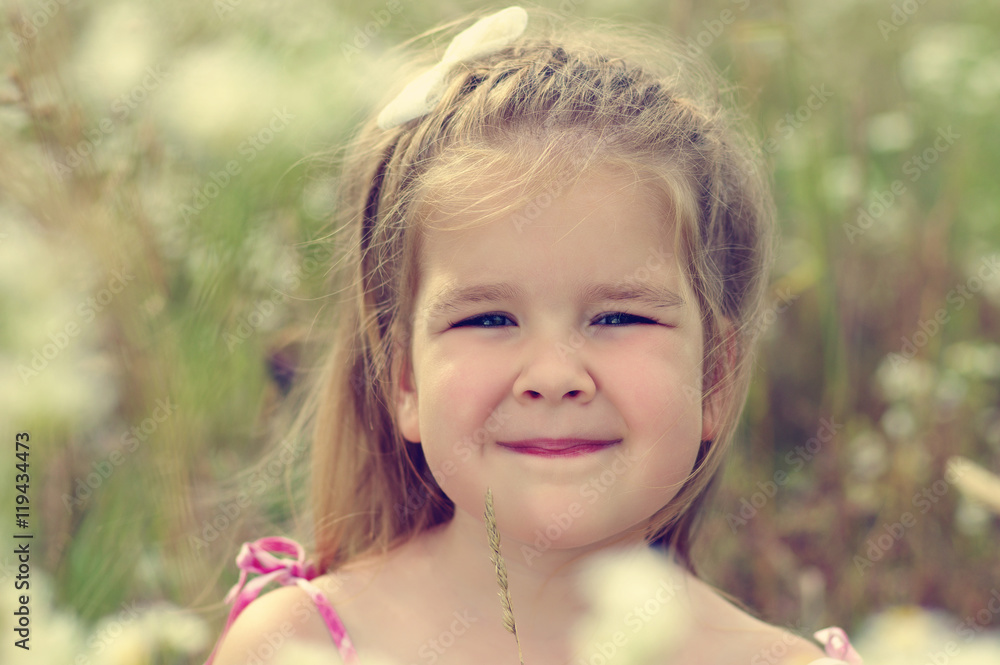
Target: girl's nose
x,y
553,371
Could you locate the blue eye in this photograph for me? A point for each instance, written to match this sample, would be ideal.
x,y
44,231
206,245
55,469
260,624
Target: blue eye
x,y
497,319
483,321
623,318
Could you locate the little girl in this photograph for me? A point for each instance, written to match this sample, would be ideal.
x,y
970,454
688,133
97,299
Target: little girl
x,y
557,243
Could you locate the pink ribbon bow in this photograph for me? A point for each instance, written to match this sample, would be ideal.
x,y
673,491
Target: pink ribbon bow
x,y
259,558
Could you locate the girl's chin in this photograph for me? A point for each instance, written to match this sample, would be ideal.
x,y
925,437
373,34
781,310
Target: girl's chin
x,y
552,521
557,534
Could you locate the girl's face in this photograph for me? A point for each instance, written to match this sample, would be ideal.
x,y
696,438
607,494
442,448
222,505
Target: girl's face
x,y
557,358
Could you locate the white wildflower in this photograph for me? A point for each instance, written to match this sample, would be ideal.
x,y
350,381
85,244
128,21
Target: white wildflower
x,y
639,608
869,455
134,637
63,634
176,629
984,83
131,647
984,650
899,423
973,359
976,482
51,346
907,380
118,46
220,96
890,132
950,391
841,180
902,635
907,634
941,56
971,518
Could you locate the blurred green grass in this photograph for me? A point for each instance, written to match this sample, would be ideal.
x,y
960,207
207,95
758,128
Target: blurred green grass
x,y
222,287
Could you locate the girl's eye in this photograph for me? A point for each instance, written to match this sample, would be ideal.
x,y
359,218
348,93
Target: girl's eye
x,y
492,320
496,320
622,318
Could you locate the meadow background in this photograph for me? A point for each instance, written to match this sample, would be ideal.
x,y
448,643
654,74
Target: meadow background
x,y
161,256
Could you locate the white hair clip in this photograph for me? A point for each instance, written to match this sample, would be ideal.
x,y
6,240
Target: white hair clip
x,y
487,35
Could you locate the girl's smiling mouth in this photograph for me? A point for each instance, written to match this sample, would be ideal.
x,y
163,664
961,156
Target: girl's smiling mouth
x,y
557,447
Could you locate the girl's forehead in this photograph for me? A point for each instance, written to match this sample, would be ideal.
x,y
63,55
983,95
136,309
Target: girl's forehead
x,y
486,179
479,209
480,198
603,226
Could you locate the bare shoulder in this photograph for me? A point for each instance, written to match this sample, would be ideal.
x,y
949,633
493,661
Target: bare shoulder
x,y
284,626
778,646
274,624
738,636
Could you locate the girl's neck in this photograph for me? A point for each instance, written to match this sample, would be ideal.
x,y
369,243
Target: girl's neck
x,y
544,585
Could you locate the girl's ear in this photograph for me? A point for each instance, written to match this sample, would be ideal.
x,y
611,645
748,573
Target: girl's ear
x,y
407,413
714,403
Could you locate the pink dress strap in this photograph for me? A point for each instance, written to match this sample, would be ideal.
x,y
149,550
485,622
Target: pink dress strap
x,y
837,647
259,557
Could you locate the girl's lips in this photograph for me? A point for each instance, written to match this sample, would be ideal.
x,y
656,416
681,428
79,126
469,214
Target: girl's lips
x,y
557,447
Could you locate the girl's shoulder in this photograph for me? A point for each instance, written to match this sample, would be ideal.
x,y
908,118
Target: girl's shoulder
x,y
273,626
725,633
286,624
363,599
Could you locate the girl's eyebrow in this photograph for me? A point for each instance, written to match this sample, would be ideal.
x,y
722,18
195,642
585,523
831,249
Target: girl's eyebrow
x,y
452,298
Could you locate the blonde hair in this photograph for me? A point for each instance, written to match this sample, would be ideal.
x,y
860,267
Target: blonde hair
x,y
561,100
